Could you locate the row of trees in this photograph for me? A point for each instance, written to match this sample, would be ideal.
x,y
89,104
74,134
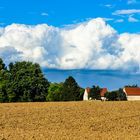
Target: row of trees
x,y
110,96
116,95
25,82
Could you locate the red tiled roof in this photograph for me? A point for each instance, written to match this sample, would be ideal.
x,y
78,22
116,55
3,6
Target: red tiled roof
x,y
103,91
132,91
88,90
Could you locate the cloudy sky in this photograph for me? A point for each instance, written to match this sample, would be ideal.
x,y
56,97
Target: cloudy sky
x,y
72,34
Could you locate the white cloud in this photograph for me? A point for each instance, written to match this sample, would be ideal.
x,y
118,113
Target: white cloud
x,y
107,19
92,44
44,14
119,20
132,19
130,55
126,12
109,6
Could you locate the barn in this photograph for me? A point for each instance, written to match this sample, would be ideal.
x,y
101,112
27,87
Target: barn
x,y
132,93
87,94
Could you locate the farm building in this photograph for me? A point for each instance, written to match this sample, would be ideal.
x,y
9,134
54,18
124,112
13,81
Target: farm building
x,y
86,94
132,93
102,93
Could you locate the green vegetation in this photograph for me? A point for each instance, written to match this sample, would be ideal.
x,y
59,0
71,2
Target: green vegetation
x,y
25,82
70,90
22,82
95,92
117,95
55,92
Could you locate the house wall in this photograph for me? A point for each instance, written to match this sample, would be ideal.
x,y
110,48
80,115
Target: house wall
x,y
133,98
103,98
85,96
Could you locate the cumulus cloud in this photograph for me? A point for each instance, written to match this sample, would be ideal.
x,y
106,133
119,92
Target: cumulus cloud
x,y
89,45
127,12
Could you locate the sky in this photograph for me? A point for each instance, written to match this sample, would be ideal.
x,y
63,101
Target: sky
x,y
74,34
123,15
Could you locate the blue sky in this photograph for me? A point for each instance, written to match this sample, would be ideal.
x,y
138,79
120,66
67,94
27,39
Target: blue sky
x,y
63,12
113,80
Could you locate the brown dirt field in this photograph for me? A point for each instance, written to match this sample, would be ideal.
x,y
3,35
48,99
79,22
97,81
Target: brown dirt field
x,y
70,121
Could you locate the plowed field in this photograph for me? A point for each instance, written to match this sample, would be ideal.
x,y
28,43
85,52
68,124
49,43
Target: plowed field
x,y
89,120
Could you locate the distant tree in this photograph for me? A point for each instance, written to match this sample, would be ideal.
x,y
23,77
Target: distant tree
x,y
95,92
4,80
121,95
54,92
27,82
111,96
116,95
71,90
135,85
81,93
2,65
3,94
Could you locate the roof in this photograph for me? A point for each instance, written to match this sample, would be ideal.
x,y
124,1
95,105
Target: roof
x,y
132,91
88,90
103,91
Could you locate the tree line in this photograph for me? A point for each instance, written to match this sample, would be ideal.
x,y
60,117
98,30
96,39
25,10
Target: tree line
x,y
25,82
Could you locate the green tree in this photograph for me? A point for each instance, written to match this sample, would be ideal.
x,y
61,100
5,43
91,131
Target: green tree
x,y
112,96
82,90
121,95
116,95
95,92
55,92
134,86
2,65
4,79
27,82
71,90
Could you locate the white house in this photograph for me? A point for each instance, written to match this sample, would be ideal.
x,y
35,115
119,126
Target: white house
x,y
132,93
86,94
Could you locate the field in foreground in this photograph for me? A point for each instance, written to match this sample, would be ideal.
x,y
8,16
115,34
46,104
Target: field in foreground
x,y
70,120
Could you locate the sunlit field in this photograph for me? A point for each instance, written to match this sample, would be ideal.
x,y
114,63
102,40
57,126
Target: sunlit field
x,y
70,120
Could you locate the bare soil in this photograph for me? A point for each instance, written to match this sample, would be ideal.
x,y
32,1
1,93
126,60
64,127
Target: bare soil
x,y
91,120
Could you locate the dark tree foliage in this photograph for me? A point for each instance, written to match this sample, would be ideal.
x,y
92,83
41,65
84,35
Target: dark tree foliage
x,y
121,95
4,79
132,86
95,92
81,93
111,96
24,81
2,65
71,90
27,82
117,95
